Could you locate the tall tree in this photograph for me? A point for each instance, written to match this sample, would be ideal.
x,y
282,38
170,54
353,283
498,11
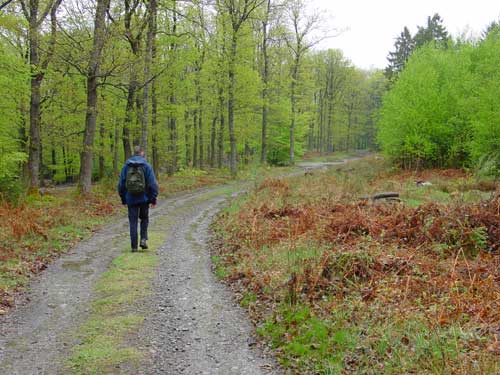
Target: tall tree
x,y
266,19
403,46
238,12
134,23
152,9
93,74
434,31
35,18
302,25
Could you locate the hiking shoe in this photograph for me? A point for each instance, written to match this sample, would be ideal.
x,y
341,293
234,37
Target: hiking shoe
x,y
143,244
134,249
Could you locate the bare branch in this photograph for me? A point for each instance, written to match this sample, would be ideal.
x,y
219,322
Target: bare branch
x,y
46,12
5,4
25,9
53,30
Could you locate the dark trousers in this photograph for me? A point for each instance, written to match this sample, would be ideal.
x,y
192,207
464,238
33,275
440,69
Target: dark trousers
x,y
136,212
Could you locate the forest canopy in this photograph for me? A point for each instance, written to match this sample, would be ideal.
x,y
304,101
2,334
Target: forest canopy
x,y
199,84
222,83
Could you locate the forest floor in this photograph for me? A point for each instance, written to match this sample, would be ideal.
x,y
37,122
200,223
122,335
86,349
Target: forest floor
x,y
340,283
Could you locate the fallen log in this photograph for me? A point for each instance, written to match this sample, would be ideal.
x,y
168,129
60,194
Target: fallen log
x,y
385,195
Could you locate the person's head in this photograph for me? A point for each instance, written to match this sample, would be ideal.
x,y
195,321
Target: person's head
x,y
138,151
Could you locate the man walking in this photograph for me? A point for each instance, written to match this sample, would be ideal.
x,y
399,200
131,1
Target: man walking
x,y
138,189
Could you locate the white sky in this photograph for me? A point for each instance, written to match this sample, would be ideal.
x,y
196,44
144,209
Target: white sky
x,y
372,26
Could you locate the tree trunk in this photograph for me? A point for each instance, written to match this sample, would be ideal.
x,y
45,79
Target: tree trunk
x,y
310,143
247,153
54,160
329,136
200,137
129,110
195,139
31,14
213,135
115,150
265,83
172,121
23,137
147,75
36,81
132,97
101,150
136,137
222,126
85,182
293,103
329,95
154,128
349,126
34,144
65,162
230,104
172,148
187,128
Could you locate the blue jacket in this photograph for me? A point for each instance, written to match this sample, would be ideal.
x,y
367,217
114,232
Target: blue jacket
x,y
151,185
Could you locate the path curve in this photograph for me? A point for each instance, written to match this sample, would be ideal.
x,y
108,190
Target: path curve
x,y
193,325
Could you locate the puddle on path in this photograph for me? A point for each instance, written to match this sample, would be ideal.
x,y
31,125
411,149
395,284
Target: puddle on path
x,y
77,265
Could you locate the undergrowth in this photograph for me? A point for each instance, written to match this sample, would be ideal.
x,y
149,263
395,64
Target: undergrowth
x,y
344,284
41,229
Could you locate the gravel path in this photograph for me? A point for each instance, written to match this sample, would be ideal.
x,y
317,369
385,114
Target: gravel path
x,y
192,324
195,326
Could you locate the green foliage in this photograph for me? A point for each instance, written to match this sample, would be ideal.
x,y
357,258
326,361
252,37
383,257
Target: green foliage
x,y
11,188
190,90
443,110
485,102
488,166
9,164
425,118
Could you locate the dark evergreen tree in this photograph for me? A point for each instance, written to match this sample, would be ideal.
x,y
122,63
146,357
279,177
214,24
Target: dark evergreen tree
x,y
404,46
494,26
434,31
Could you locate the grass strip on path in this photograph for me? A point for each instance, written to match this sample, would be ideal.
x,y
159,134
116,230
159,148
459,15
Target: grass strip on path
x,y
114,314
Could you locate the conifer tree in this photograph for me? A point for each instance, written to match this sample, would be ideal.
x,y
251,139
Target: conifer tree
x,y
434,31
404,46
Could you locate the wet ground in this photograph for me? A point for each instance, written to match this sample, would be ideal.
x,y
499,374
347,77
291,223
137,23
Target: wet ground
x,y
193,325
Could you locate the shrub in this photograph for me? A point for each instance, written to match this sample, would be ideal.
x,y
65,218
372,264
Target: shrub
x,y
11,187
424,119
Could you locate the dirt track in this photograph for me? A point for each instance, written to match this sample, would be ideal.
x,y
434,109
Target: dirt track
x,y
193,326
